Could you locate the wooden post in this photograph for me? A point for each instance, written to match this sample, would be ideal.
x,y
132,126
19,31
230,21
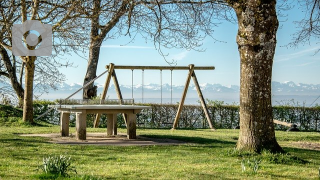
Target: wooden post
x,y
203,103
104,92
116,84
282,123
81,125
111,121
191,68
115,127
64,123
131,126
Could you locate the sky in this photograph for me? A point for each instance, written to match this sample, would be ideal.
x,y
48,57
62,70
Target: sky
x,y
300,64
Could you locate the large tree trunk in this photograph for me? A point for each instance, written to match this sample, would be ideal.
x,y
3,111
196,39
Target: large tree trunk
x,y
11,73
91,90
94,52
28,90
258,24
96,39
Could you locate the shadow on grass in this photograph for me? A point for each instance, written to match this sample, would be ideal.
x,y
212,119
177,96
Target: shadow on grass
x,y
197,140
307,154
27,141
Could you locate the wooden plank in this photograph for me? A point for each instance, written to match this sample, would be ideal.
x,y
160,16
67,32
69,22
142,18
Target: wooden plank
x,y
131,126
104,92
81,125
203,103
162,67
110,124
64,124
115,127
282,123
191,69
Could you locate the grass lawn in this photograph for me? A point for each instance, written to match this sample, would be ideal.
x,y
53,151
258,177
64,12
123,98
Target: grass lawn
x,y
210,155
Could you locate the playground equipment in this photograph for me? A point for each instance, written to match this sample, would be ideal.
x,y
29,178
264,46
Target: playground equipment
x,y
112,74
292,127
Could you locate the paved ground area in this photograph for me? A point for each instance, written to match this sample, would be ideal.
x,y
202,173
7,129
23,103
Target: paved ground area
x,y
308,145
103,139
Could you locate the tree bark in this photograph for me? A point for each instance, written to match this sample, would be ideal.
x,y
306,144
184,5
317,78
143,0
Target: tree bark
x,y
256,39
96,39
28,90
11,73
94,52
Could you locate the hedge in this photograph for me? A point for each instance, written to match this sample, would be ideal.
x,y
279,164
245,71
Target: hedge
x,y
192,116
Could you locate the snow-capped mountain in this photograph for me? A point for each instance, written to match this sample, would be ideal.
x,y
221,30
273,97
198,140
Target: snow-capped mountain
x,y
286,88
281,92
291,88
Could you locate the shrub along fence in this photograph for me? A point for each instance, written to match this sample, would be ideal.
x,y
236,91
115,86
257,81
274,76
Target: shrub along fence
x,y
192,116
224,117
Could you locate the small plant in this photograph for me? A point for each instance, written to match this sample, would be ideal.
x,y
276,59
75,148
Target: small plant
x,y
253,164
57,165
281,158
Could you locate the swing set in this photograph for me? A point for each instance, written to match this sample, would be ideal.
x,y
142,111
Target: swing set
x,y
112,74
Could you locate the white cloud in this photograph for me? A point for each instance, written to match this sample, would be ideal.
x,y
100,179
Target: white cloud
x,y
126,47
179,56
287,57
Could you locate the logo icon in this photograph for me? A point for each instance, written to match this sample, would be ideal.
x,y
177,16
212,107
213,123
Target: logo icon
x,y
34,45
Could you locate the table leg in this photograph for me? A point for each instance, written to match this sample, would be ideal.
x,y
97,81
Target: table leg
x,y
131,126
64,123
115,130
109,124
81,126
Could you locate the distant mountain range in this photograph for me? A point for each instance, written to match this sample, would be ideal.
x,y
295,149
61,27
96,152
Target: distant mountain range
x,y
286,88
282,92
286,92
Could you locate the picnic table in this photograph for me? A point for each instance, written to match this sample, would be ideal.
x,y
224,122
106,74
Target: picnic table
x,y
81,112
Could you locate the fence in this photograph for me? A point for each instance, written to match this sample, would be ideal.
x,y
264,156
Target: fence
x,y
222,116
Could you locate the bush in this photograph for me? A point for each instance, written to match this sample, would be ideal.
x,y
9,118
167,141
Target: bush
x,y
57,165
10,111
40,107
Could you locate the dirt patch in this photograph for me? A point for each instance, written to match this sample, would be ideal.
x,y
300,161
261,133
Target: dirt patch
x,y
103,139
307,145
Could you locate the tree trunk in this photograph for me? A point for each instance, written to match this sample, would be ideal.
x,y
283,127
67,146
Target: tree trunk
x,y
96,39
94,52
11,73
28,90
91,91
258,24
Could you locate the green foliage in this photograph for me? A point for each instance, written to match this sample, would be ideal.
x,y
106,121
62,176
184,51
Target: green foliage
x,y
223,116
239,153
203,157
57,165
42,106
266,156
250,164
281,158
10,111
10,121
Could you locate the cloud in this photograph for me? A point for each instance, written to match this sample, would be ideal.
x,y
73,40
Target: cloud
x,y
126,47
180,56
287,57
305,64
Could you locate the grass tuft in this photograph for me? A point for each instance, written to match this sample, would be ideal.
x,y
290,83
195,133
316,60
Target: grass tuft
x,y
281,158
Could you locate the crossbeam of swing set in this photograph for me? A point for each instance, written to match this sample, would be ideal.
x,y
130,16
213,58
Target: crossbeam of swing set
x,y
111,67
161,67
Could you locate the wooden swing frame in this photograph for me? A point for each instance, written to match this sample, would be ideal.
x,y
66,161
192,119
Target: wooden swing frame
x,y
112,74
